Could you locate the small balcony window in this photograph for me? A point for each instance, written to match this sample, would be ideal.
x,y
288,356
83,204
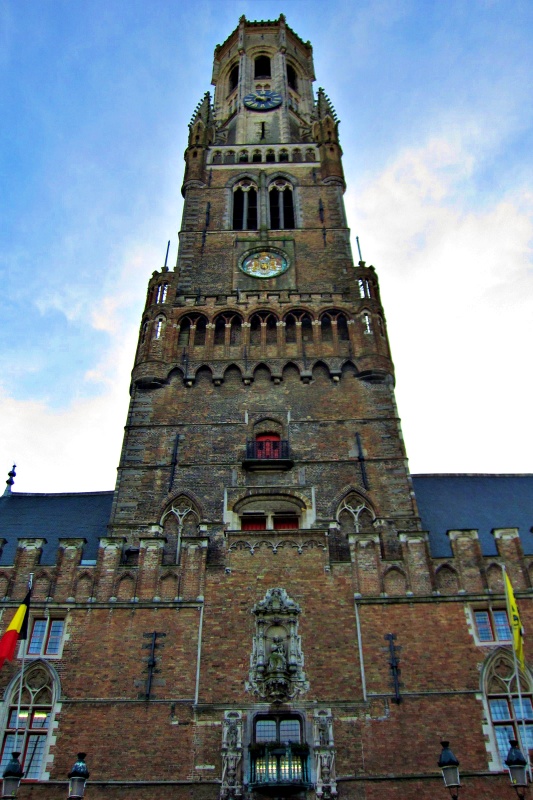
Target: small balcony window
x,y
278,757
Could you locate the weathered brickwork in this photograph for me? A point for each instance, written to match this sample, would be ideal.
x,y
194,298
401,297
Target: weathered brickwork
x,y
264,536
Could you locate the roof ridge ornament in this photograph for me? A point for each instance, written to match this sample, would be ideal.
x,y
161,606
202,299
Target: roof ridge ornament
x,y
10,480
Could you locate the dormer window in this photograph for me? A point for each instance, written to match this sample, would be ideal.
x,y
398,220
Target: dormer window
x,y
262,67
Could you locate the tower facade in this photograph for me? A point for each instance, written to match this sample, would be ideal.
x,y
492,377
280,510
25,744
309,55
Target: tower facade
x,y
258,610
263,367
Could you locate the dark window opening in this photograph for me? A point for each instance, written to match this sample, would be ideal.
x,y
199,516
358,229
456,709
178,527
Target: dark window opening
x,y
220,331
130,557
201,330
291,78
342,328
262,67
243,157
245,209
281,208
270,156
233,77
256,157
283,156
255,330
185,332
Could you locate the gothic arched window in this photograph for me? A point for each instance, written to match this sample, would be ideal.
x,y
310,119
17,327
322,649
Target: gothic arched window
x,y
244,206
262,67
158,328
161,293
32,726
281,205
510,711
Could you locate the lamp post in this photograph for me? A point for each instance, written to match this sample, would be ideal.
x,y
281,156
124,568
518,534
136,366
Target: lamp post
x,y
450,770
78,777
517,769
12,776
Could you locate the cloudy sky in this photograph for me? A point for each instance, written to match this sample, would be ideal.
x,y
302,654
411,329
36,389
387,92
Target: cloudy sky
x,y
434,98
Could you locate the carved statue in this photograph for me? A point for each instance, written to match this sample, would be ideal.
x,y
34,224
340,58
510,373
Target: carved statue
x,y
277,661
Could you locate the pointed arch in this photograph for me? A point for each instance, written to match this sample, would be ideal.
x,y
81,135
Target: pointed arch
x,y
394,582
447,579
180,519
84,586
509,717
495,578
125,586
41,690
354,513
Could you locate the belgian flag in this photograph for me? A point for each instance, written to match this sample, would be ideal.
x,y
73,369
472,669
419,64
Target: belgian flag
x,y
17,631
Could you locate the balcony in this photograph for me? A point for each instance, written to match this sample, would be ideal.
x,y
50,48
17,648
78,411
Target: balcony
x,y
267,455
279,768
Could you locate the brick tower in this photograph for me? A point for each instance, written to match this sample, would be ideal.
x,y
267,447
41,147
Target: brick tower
x,y
262,388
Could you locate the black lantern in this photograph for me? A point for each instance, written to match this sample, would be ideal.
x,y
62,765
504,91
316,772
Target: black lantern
x,y
450,770
517,768
12,776
78,777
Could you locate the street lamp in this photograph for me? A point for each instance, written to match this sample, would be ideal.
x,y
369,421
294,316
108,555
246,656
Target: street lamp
x,y
450,770
78,777
11,777
517,769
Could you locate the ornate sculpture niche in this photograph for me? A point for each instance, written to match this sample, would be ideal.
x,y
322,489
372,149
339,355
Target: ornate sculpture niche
x,y
231,755
276,663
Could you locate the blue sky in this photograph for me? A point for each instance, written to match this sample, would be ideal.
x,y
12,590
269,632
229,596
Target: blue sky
x,y
436,125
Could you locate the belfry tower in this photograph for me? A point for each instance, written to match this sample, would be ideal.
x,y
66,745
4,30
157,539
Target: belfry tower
x,y
262,387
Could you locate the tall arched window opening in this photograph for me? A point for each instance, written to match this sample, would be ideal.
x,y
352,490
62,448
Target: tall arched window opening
x,y
281,205
245,206
291,78
184,332
511,716
262,67
233,78
32,724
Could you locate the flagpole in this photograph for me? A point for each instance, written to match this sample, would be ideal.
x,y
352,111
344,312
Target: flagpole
x,y
521,735
24,648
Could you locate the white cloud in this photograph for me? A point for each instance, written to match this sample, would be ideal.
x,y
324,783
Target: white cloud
x,y
456,279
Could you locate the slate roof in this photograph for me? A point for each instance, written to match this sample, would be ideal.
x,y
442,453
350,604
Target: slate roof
x,y
445,502
54,517
475,502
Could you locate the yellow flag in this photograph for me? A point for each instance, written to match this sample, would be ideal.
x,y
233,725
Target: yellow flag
x,y
514,619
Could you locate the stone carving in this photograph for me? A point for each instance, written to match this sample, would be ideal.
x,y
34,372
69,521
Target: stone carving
x,y
231,755
276,663
326,785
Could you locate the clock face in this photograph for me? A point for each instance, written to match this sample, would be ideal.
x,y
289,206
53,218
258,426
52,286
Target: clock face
x,y
263,100
265,264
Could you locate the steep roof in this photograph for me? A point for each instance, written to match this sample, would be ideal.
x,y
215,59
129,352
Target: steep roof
x,y
475,502
445,502
53,517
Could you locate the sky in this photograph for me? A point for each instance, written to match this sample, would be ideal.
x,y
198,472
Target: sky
x,y
434,98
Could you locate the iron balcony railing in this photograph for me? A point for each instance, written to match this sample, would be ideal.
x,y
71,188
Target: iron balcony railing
x,y
267,450
279,764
